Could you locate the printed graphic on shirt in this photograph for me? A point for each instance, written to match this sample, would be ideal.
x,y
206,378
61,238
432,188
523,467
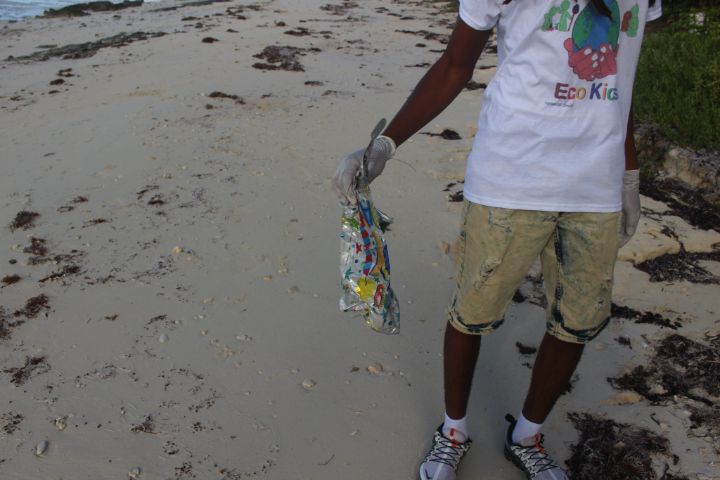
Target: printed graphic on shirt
x,y
592,47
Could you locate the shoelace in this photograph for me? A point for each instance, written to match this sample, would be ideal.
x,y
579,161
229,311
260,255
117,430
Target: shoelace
x,y
534,456
447,451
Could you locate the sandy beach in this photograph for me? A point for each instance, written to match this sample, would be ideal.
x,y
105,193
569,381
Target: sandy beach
x,y
171,311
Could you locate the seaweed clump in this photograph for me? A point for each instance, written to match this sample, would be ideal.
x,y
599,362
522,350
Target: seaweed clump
x,y
7,325
683,265
33,306
623,311
615,451
686,371
24,220
33,365
680,367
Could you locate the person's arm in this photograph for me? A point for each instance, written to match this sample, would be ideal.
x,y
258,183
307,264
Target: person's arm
x,y
441,84
435,91
631,187
631,162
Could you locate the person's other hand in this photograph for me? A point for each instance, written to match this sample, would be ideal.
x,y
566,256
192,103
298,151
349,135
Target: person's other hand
x,y
343,182
630,205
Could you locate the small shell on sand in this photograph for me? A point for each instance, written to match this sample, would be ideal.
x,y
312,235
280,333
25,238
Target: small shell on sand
x,y
163,338
624,398
61,423
177,250
308,384
134,473
41,448
375,368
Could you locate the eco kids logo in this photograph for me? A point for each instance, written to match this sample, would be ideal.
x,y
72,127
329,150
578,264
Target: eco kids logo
x,y
594,41
597,91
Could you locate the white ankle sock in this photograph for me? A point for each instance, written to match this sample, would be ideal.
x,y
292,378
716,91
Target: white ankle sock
x,y
455,429
524,428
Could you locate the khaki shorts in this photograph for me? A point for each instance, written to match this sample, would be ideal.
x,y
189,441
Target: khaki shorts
x,y
498,246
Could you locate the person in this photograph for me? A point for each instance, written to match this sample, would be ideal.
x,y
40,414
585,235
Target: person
x,y
552,173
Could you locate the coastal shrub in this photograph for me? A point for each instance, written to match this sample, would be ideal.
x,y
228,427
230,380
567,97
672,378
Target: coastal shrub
x,y
677,87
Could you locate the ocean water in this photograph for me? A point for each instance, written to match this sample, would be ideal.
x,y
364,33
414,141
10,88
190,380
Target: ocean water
x,y
17,9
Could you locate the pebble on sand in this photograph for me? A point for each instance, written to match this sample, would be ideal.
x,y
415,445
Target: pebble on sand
x,y
375,368
134,474
308,384
163,338
61,423
41,448
624,398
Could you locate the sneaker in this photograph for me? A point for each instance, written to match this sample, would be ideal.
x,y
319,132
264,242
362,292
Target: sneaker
x,y
441,462
530,456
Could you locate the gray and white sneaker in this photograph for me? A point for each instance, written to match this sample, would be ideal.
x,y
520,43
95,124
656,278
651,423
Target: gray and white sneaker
x,y
530,456
441,462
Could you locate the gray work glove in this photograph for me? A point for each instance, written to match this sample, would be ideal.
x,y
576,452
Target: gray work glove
x,y
630,205
343,182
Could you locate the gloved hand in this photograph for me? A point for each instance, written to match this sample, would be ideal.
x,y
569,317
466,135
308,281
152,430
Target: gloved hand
x,y
343,183
630,205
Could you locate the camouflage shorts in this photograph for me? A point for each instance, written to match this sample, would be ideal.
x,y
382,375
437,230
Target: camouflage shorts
x,y
497,248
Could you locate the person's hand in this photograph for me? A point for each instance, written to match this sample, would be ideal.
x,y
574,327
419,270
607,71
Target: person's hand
x,y
590,64
343,182
630,205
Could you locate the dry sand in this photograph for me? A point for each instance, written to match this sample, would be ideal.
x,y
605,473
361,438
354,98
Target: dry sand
x,y
192,328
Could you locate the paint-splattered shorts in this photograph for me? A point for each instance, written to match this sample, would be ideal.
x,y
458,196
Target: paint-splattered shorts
x,y
497,247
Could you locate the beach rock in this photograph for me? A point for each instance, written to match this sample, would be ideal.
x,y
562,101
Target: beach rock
x,y
82,9
651,240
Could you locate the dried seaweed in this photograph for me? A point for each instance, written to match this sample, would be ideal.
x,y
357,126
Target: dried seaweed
x,y
615,451
620,311
680,367
525,349
24,220
87,49
10,279
33,306
11,422
684,201
282,58
20,375
681,266
146,426
6,324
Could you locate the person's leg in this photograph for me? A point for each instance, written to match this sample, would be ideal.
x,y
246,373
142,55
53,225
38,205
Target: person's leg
x,y
460,354
498,246
578,268
554,365
496,249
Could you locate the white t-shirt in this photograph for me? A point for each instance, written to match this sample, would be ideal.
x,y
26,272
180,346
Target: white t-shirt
x,y
552,128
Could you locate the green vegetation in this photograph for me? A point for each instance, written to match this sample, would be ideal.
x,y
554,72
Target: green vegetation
x,y
677,87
